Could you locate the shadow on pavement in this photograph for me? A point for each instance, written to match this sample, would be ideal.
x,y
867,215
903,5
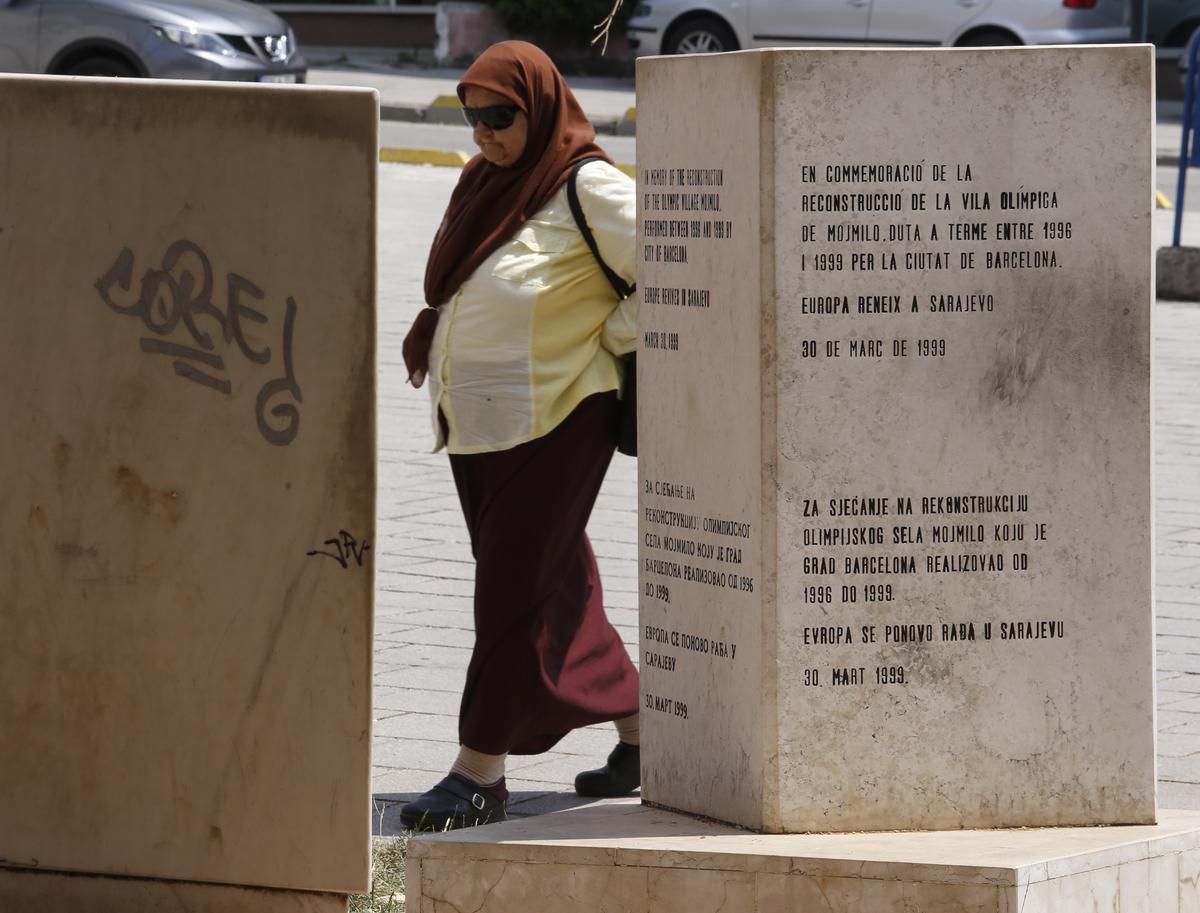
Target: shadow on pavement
x,y
385,808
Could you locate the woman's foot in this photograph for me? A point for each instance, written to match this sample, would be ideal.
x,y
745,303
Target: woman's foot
x,y
456,802
619,777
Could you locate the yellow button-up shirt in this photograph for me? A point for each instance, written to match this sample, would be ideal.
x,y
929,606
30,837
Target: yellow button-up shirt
x,y
537,327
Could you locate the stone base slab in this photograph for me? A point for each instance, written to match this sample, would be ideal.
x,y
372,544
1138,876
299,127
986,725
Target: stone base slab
x,y
29,891
627,858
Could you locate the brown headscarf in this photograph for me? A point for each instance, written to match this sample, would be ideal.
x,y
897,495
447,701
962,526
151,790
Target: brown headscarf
x,y
490,203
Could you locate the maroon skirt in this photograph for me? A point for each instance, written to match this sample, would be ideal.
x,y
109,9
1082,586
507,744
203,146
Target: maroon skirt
x,y
546,658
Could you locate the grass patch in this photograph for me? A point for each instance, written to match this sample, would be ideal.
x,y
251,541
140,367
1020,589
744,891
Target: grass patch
x,y
387,878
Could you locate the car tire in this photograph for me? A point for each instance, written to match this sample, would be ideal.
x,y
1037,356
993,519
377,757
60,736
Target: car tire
x,y
101,66
702,35
990,38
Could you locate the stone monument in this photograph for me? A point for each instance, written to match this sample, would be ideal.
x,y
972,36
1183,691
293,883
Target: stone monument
x,y
187,386
923,358
895,515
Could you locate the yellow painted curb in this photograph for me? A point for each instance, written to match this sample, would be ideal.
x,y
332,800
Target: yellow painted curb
x,y
446,101
449,159
1162,201
423,157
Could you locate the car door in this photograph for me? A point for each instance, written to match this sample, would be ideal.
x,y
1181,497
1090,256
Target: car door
x,y
812,23
19,35
917,22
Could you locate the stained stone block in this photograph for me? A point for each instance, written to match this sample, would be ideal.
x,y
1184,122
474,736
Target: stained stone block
x,y
624,859
895,517
187,389
29,891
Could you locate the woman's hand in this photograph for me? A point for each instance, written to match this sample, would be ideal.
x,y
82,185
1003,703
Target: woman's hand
x,y
417,345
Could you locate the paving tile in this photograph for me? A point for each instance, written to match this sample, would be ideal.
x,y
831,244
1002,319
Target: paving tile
x,y
1179,662
1188,704
447,617
418,700
437,635
1178,745
424,655
414,754
402,784
433,727
1181,682
1179,770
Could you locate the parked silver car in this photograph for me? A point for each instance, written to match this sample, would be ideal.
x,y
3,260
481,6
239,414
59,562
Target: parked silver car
x,y
172,39
704,26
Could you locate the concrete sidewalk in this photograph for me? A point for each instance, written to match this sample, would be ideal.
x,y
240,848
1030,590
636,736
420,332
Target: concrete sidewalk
x,y
423,633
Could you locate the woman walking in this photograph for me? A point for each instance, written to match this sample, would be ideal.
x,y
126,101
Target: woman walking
x,y
521,343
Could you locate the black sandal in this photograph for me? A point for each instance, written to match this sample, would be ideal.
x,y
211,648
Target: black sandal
x,y
456,802
619,777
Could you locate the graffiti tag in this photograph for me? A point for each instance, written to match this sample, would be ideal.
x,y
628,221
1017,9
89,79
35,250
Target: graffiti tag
x,y
345,548
179,294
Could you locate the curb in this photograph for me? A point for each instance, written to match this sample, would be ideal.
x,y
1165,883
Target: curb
x,y
408,115
403,156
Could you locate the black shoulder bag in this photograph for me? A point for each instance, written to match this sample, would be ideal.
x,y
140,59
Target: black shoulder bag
x,y
627,430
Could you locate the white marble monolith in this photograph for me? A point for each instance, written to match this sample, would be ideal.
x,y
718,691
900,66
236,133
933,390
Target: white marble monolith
x,y
895,519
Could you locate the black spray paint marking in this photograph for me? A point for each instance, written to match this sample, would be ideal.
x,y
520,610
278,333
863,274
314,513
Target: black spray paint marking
x,y
285,384
346,547
180,291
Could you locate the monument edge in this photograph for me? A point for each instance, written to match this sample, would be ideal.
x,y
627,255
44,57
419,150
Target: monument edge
x,y
771,816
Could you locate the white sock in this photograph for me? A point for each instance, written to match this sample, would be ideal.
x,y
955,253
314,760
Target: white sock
x,y
629,730
481,769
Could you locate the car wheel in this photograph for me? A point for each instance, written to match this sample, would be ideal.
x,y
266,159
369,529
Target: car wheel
x,y
702,35
990,38
101,66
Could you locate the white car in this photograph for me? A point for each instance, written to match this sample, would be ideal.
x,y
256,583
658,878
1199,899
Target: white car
x,y
707,26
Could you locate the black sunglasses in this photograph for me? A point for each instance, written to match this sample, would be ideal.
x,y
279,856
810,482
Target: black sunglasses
x,y
494,117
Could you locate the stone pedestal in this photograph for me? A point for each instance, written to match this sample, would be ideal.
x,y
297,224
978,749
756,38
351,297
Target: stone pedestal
x,y
895,519
27,891
187,387
625,859
894,380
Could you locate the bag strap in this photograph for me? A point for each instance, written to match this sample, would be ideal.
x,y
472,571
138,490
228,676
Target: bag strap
x,y
620,286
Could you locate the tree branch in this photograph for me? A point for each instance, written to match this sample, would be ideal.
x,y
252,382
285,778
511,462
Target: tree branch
x,y
605,26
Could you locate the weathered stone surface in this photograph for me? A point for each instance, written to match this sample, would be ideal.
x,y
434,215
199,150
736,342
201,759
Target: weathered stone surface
x,y
895,440
628,859
187,387
27,891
